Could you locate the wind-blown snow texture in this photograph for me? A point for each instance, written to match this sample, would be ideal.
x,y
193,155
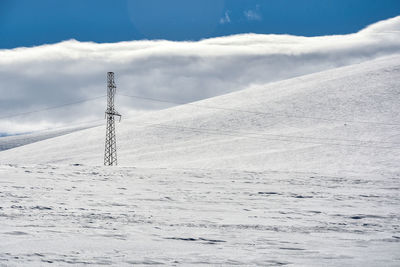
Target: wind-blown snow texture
x,y
303,171
120,216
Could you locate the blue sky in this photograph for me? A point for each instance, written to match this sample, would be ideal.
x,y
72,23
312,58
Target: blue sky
x,y
30,23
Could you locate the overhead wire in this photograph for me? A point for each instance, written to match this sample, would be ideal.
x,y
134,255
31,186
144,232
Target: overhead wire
x,y
197,105
218,132
51,107
278,136
71,126
259,136
259,112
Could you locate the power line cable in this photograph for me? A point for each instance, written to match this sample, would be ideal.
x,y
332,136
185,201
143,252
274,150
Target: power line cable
x,y
200,106
254,135
258,112
215,131
218,132
71,126
50,108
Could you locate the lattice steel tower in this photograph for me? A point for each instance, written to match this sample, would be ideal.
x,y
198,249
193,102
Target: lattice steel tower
x,y
110,154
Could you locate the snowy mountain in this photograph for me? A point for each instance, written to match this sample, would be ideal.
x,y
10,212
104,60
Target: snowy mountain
x,y
300,172
346,119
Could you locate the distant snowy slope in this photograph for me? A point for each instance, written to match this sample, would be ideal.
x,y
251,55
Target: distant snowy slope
x,y
342,120
9,142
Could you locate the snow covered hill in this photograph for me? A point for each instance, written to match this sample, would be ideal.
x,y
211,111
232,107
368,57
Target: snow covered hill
x,y
341,120
301,172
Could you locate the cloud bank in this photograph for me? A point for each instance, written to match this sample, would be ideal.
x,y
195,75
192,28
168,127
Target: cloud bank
x,y
49,75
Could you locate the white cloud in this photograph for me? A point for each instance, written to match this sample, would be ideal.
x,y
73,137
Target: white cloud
x,y
48,75
253,15
226,19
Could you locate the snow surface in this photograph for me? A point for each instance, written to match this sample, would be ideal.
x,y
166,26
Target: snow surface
x,y
121,216
300,172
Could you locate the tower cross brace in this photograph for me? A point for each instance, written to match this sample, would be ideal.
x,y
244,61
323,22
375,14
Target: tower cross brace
x,y
110,153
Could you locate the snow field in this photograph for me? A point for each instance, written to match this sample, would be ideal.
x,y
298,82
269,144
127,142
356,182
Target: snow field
x,y
301,172
122,216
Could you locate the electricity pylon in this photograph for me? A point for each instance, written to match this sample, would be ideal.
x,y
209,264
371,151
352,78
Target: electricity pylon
x,y
110,154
